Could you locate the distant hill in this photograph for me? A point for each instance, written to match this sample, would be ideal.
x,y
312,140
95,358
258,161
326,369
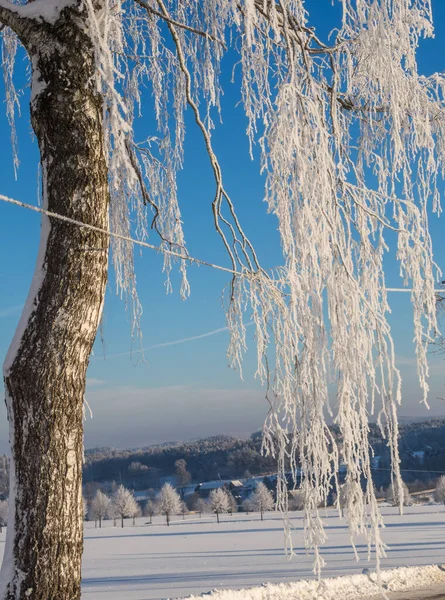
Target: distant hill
x,y
220,456
227,457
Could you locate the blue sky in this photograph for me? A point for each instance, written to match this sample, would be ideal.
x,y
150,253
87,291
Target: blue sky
x,y
185,390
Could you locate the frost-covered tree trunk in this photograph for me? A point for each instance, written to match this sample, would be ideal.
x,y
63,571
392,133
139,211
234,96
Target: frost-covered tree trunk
x,y
45,370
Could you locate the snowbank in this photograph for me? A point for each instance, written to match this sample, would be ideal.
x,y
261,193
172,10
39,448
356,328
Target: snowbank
x,y
351,587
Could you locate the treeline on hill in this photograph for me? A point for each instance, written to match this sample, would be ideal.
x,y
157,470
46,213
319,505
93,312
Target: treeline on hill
x,y
227,457
216,457
422,452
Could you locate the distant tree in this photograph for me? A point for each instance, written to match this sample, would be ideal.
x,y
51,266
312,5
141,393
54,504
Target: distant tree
x,y
112,513
149,509
184,509
137,466
392,495
202,506
296,500
124,504
135,511
3,514
233,506
219,502
99,507
348,495
262,499
183,477
85,508
168,502
379,492
439,492
247,506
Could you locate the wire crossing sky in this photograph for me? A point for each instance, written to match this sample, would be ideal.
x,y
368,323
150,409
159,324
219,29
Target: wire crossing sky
x,y
145,244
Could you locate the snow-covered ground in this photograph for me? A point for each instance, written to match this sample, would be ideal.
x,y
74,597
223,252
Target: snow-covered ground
x,y
145,562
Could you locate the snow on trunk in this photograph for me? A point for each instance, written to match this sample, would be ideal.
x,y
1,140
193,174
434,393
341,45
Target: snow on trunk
x,y
45,370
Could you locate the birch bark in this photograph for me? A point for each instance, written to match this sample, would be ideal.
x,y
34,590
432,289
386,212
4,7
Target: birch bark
x,y
45,370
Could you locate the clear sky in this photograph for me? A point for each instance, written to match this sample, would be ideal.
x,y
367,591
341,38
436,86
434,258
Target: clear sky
x,y
185,389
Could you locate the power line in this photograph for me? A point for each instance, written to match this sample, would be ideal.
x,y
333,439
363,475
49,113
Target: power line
x,y
125,238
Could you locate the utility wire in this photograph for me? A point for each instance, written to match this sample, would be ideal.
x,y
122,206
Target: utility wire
x,y
51,214
125,238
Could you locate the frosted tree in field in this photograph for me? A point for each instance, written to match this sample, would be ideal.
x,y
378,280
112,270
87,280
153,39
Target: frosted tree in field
x,y
112,513
99,507
348,497
296,500
202,506
149,510
261,499
439,492
351,142
3,514
219,502
233,506
135,511
123,504
184,509
247,505
398,497
168,502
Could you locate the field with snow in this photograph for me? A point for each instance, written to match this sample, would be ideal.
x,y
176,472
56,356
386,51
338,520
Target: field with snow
x,y
147,562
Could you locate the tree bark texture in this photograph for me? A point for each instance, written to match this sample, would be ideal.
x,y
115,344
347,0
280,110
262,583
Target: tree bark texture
x,y
45,371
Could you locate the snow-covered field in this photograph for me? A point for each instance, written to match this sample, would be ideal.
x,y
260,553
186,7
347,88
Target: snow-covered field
x,y
145,562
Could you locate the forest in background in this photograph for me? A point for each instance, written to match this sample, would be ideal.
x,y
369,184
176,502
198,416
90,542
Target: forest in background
x,y
422,452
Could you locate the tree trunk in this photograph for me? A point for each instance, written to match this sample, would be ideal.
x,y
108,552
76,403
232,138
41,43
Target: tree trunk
x,y
217,517
122,522
45,370
100,522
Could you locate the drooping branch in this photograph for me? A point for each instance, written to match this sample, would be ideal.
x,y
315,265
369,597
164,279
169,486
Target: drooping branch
x,y
220,194
184,26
